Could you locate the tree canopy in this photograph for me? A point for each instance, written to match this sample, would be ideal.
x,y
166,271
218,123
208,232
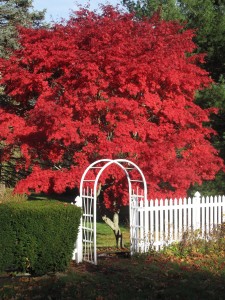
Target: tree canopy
x,y
107,85
13,13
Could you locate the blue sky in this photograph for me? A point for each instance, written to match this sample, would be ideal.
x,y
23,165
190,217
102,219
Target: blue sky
x,y
57,9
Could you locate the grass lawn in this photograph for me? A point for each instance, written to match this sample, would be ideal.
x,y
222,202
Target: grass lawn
x,y
106,238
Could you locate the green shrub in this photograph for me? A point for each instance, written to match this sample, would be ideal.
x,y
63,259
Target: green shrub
x,y
7,238
37,236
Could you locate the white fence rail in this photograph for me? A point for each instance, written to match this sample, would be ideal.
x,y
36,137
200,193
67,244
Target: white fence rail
x,y
162,222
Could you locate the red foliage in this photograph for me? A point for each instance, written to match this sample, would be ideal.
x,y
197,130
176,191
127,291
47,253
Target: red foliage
x,y
108,86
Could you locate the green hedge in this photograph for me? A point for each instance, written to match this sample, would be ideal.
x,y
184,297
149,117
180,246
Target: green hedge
x,y
37,236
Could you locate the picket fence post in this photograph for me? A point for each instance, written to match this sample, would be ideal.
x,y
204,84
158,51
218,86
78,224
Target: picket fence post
x,y
223,209
78,251
196,211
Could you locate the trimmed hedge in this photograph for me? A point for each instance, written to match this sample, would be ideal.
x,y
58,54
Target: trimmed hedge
x,y
37,236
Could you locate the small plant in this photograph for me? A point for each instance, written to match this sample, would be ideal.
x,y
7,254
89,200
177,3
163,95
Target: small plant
x,y
9,196
194,242
216,239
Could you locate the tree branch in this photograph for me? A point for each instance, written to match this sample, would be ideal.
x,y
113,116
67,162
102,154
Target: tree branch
x,y
109,222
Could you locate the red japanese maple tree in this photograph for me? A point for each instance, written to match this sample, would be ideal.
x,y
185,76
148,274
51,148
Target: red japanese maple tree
x,y
107,86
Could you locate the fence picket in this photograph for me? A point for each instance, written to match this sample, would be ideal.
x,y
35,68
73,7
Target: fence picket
x,y
189,214
219,215
157,224
171,231
185,203
146,228
161,220
175,219
211,214
203,218
215,210
180,223
166,235
207,215
151,230
141,217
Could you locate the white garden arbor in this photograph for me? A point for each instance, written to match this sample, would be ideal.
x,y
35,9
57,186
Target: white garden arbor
x,y
86,242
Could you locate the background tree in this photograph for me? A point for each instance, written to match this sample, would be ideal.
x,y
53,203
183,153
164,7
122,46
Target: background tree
x,y
168,9
207,17
13,13
107,86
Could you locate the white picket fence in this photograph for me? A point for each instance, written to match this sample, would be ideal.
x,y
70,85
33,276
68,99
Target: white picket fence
x,y
155,224
162,222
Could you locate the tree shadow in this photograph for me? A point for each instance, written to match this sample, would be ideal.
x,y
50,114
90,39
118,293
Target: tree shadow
x,y
143,277
68,196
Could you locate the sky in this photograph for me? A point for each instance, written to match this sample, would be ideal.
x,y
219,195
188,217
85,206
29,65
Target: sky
x,y
57,9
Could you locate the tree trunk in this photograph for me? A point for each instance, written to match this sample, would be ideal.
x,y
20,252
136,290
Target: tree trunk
x,y
114,225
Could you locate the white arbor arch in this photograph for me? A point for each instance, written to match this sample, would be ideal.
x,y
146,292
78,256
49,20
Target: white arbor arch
x,y
86,243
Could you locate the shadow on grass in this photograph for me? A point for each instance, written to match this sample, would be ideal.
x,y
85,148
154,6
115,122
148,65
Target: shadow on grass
x,y
68,196
144,277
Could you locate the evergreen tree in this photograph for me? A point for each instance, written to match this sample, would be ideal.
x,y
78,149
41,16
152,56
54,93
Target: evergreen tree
x,y
146,8
206,16
12,14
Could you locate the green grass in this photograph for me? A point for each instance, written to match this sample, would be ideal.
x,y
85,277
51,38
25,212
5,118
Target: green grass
x,y
106,238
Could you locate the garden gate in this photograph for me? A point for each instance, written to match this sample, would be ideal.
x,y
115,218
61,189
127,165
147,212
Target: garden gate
x,y
86,241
